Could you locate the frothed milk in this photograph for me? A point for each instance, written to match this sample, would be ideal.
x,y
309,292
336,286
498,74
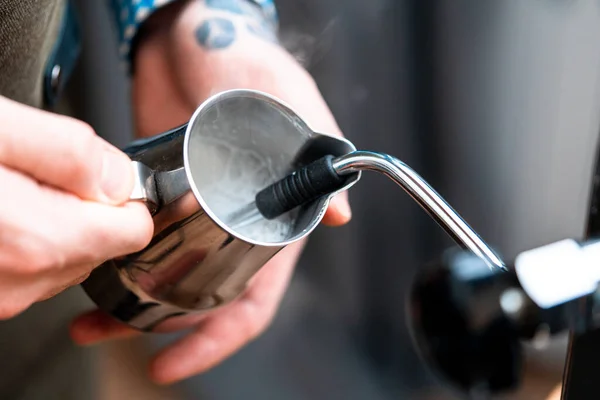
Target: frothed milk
x,y
230,179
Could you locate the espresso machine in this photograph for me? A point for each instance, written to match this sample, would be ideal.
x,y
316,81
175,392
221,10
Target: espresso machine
x,y
470,322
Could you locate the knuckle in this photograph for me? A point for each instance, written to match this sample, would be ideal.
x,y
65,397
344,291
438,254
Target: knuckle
x,y
83,129
26,250
37,256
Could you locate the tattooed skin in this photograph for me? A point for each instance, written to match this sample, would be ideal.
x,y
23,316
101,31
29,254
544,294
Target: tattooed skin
x,y
216,33
220,31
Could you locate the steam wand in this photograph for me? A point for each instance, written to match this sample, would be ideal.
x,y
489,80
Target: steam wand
x,y
328,174
471,309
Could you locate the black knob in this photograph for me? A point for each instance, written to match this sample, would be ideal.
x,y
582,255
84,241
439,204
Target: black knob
x,y
459,327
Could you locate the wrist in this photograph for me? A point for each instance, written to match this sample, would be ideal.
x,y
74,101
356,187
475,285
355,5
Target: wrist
x,y
187,36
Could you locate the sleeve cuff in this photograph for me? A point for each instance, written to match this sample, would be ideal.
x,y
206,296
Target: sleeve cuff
x,y
129,16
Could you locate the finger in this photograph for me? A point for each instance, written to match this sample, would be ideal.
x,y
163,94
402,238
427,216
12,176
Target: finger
x,y
339,212
50,239
43,228
64,153
96,326
51,231
227,330
19,292
104,232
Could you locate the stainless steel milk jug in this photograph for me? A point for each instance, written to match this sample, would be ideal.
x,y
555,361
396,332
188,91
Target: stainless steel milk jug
x,y
196,178
196,261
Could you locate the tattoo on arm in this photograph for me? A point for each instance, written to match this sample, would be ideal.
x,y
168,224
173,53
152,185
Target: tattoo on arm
x,y
216,33
220,32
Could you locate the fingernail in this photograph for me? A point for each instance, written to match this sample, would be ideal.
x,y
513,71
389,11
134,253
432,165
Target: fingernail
x,y
116,176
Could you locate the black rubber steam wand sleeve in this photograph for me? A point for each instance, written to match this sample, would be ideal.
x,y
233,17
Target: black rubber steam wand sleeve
x,y
302,186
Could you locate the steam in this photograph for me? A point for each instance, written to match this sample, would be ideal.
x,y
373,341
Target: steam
x,y
309,49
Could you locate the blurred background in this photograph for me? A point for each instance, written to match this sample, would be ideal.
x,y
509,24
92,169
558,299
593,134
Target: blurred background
x,y
496,104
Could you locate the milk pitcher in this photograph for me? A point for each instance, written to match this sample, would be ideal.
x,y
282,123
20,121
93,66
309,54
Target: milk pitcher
x,y
196,178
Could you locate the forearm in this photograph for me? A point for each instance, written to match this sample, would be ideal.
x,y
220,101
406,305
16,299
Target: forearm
x,y
219,24
133,18
214,30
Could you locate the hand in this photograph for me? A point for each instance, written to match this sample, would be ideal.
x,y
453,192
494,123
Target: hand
x,y
61,211
176,70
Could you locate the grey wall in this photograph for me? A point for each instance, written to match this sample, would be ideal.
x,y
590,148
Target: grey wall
x,y
519,100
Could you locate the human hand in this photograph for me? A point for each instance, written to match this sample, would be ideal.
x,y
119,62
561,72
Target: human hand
x,y
61,210
177,66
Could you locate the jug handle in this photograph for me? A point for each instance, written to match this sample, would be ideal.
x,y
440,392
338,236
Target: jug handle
x,y
148,184
156,188
144,189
